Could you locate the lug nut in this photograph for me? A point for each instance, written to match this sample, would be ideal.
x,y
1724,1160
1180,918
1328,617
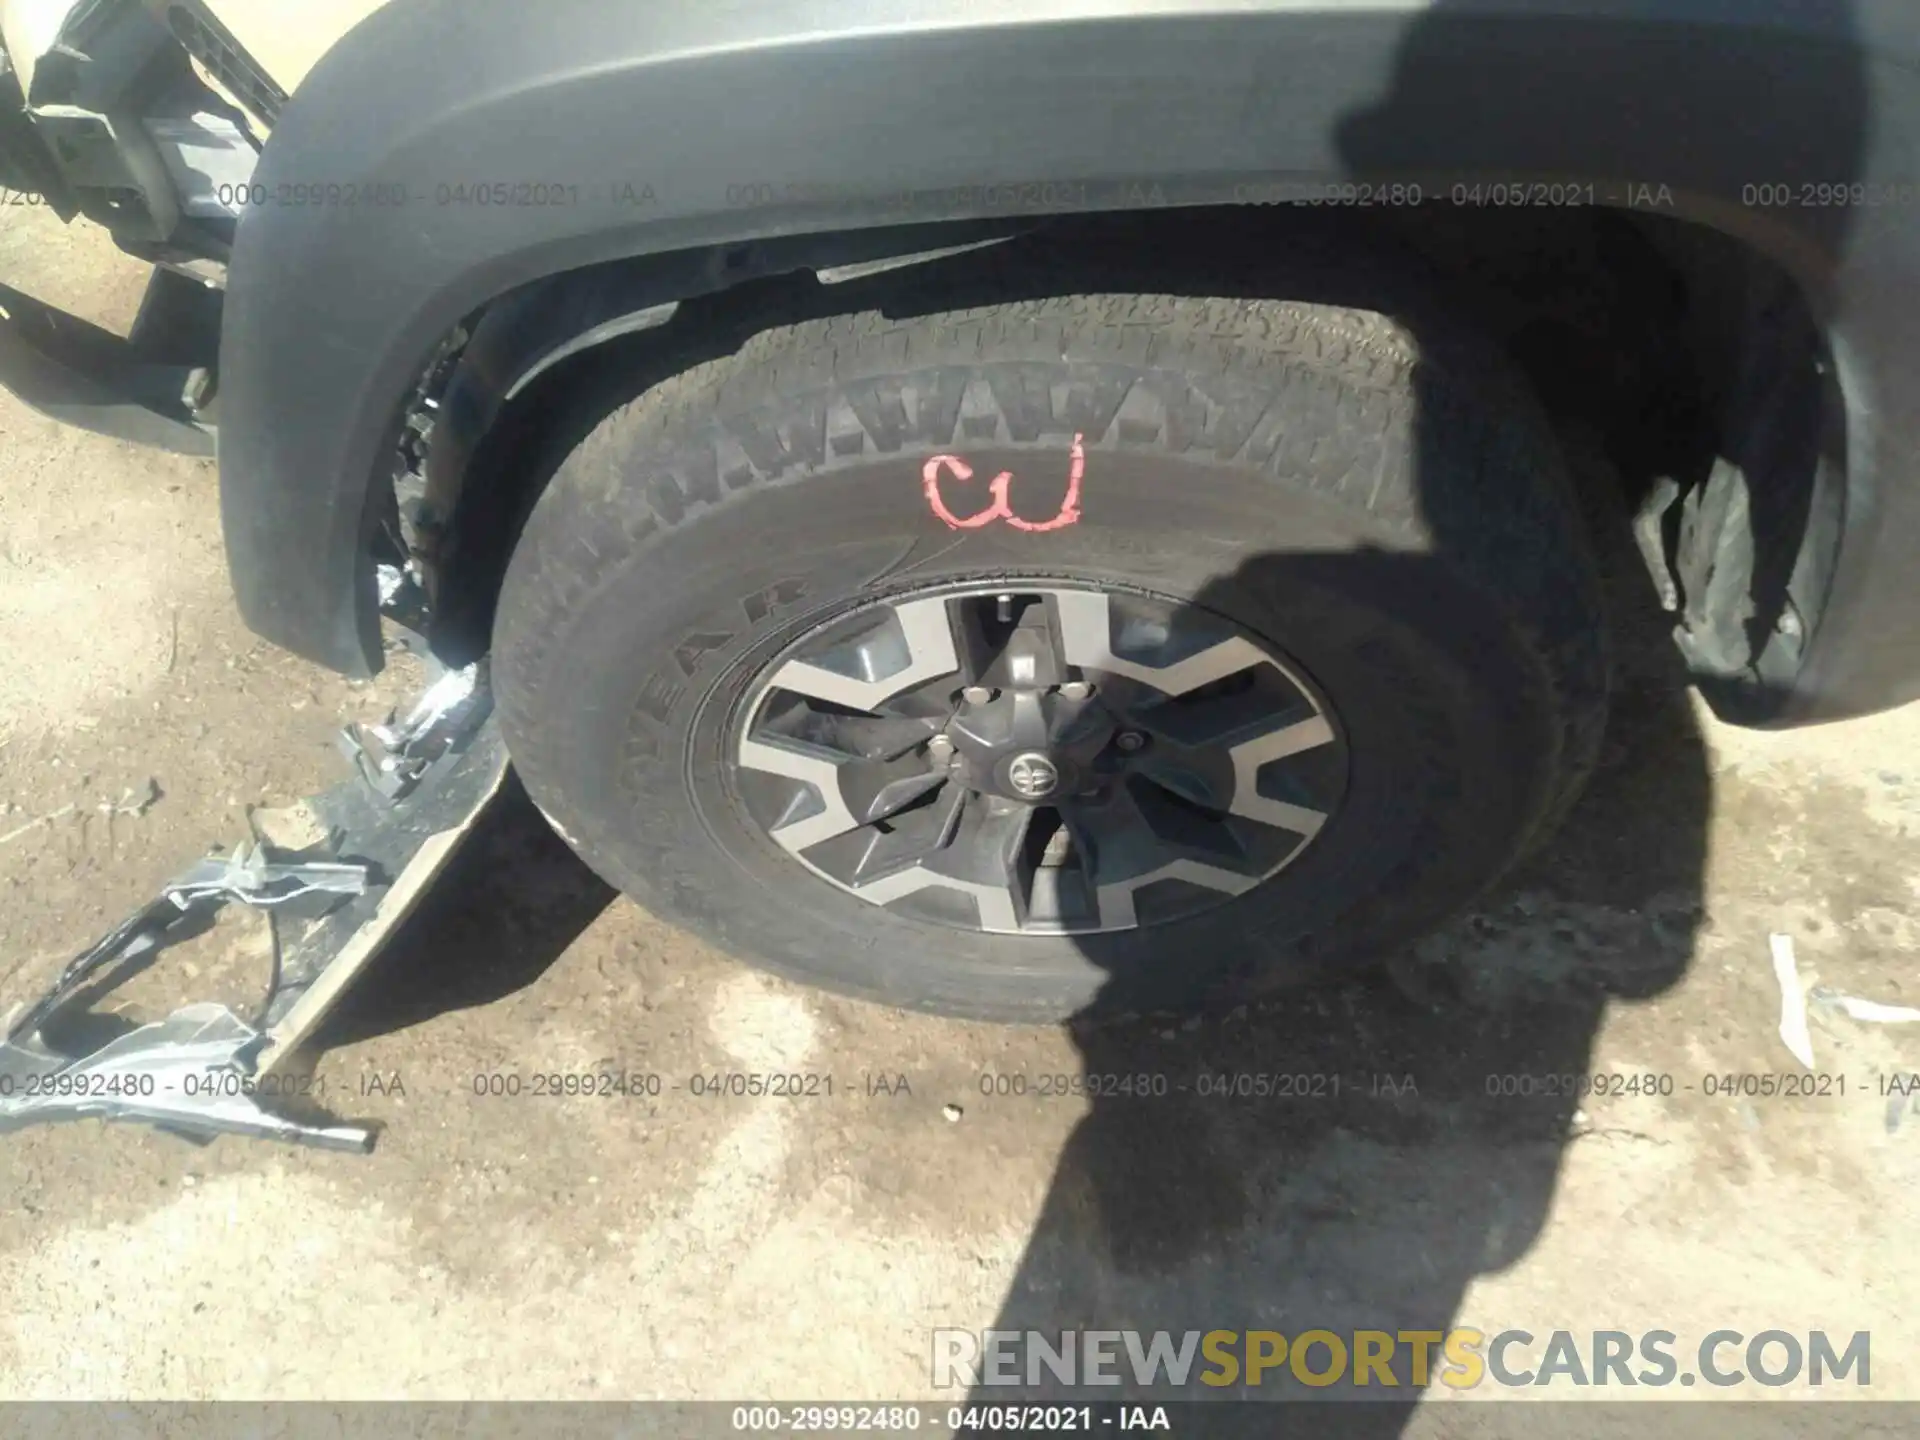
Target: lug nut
x,y
976,694
1130,740
1076,690
940,747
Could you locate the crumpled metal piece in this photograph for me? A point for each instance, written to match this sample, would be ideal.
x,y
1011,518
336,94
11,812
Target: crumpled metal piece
x,y
203,1070
250,878
191,1071
193,1067
246,876
403,600
392,757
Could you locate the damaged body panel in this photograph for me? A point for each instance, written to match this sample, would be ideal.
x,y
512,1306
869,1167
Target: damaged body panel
x,y
135,388
335,876
103,114
134,134
191,1073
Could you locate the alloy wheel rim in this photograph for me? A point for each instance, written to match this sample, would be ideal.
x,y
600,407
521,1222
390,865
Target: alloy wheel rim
x,y
1037,757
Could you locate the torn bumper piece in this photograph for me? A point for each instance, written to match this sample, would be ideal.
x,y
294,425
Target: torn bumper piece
x,y
192,1072
335,876
134,389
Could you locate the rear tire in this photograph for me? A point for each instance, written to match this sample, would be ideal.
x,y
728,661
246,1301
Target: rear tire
x,y
1391,516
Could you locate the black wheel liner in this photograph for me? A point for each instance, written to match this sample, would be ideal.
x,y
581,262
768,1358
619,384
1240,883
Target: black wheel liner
x,y
709,132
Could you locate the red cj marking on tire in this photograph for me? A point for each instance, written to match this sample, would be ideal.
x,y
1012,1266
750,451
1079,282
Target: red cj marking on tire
x,y
1002,508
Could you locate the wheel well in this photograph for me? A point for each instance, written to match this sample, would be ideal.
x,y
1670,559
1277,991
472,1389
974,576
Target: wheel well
x,y
1691,362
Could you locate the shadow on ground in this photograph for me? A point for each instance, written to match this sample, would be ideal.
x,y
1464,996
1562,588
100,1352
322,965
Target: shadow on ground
x,y
1402,1164
1410,1168
512,901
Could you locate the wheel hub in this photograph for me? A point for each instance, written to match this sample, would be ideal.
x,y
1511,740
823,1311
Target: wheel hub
x,y
1048,759
1032,775
1027,743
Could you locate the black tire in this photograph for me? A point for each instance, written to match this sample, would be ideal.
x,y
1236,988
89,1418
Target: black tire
x,y
1391,513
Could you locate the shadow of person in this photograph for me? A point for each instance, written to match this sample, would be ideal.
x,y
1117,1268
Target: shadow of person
x,y
1363,1151
1349,1157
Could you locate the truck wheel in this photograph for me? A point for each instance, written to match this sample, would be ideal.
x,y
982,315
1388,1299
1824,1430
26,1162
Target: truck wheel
x,y
1084,654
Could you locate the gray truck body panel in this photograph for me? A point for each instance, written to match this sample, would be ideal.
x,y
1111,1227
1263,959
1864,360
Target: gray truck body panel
x,y
705,136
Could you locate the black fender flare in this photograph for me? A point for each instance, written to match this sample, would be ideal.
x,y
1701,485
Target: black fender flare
x,y
603,133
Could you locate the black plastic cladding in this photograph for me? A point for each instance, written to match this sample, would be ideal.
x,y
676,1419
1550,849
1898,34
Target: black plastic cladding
x,y
690,127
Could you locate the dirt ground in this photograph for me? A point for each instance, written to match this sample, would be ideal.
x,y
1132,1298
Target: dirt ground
x,y
672,1246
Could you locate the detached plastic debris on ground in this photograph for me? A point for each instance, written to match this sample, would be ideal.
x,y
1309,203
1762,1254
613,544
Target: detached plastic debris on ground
x,y
1793,1003
1869,1012
335,875
1824,999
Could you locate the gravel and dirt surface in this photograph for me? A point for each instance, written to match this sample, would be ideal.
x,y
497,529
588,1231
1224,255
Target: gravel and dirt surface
x,y
668,1245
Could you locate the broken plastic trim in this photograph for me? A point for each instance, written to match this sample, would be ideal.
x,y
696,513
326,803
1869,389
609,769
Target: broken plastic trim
x,y
191,1072
374,845
246,876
